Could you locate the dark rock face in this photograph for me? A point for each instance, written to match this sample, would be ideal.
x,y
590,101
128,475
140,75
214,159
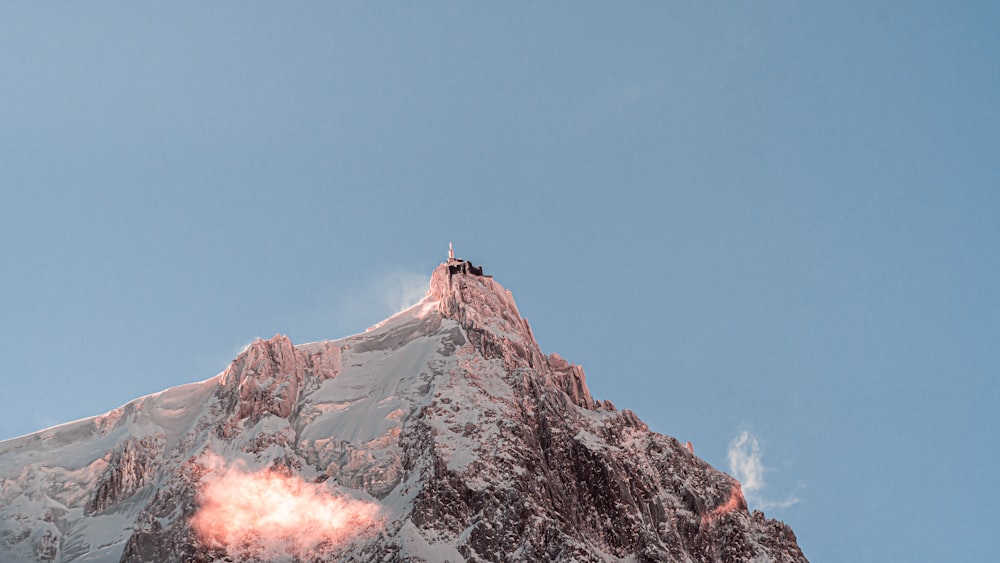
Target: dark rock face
x,y
132,467
474,444
151,539
645,497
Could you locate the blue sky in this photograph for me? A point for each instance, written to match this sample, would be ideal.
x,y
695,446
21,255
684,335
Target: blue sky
x,y
772,218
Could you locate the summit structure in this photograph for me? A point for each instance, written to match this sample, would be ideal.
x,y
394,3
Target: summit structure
x,y
459,266
441,434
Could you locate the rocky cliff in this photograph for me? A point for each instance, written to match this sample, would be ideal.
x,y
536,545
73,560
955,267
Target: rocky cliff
x,y
443,433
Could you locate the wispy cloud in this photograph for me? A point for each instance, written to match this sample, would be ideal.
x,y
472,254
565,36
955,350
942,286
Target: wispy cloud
x,y
378,297
401,290
746,465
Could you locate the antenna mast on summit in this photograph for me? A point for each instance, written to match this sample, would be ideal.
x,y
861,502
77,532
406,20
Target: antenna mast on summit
x,y
451,252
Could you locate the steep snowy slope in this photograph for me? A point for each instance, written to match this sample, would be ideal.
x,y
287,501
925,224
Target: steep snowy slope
x,y
443,433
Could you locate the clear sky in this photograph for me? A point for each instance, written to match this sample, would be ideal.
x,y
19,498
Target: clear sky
x,y
776,218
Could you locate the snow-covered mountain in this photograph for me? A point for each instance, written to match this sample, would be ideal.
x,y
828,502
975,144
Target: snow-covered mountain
x,y
441,434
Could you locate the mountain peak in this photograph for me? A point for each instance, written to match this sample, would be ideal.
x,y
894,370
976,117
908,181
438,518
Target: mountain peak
x,y
442,434
486,310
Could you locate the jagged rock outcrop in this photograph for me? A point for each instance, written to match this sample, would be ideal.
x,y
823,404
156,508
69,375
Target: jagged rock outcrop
x,y
270,374
131,468
472,444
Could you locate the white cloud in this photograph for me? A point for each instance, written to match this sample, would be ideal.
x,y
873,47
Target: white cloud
x,y
401,290
744,462
746,465
379,297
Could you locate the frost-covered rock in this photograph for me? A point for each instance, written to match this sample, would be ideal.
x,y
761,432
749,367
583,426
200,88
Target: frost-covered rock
x,y
446,421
